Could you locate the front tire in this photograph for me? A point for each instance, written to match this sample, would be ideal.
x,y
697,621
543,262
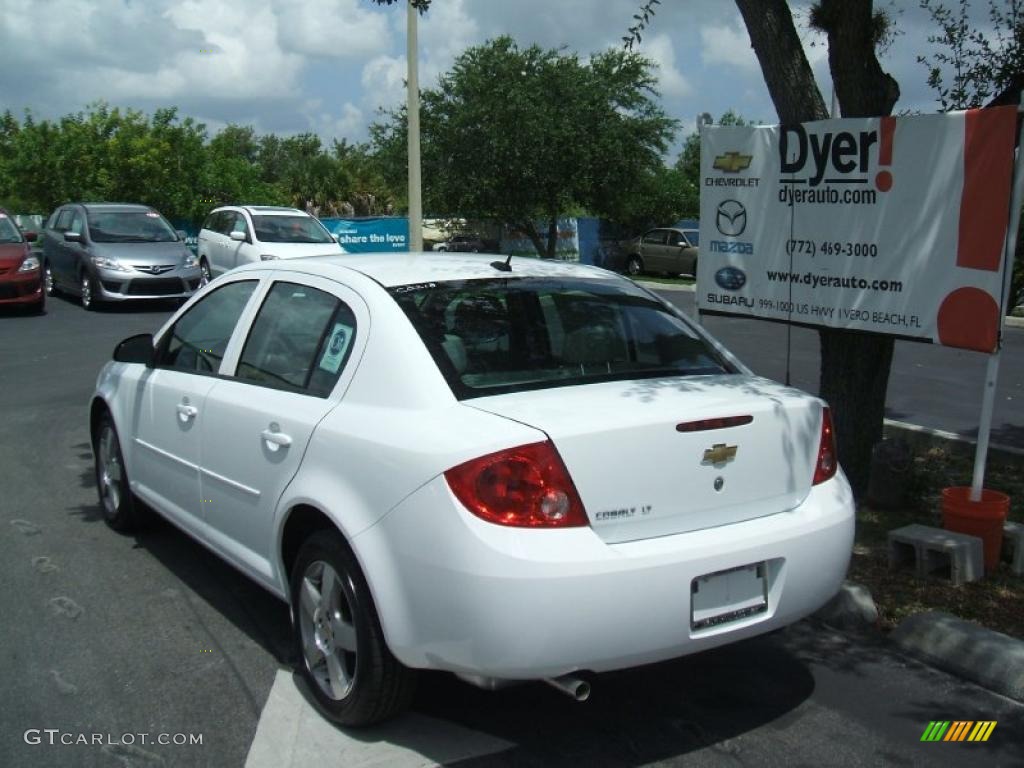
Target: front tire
x,y
49,282
343,656
115,493
89,303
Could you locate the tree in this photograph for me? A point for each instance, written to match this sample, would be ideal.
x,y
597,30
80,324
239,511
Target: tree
x,y
971,67
586,135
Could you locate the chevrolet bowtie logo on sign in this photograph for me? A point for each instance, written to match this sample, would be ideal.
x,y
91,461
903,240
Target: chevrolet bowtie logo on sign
x,y
958,730
720,453
732,162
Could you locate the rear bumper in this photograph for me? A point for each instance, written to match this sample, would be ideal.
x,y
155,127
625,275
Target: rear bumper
x,y
20,289
458,594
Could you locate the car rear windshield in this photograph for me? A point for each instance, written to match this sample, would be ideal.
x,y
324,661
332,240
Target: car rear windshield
x,y
494,336
130,227
290,229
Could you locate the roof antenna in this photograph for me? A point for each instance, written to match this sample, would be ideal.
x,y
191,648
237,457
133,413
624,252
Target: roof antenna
x,y
503,266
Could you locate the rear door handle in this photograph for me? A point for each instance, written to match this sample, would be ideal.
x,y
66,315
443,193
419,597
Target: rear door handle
x,y
186,412
275,440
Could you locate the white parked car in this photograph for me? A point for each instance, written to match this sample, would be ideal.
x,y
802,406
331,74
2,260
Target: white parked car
x,y
233,235
510,475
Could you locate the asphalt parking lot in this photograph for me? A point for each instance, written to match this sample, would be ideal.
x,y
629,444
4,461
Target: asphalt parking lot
x,y
149,634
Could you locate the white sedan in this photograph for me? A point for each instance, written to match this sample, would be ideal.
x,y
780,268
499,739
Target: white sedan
x,y
443,463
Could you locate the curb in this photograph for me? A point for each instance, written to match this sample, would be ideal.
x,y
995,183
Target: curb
x,y
917,436
991,659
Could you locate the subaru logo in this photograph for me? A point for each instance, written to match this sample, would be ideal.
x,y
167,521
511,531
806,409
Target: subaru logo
x,y
731,218
731,278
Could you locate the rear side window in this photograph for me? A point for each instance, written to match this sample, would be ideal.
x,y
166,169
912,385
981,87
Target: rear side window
x,y
199,338
506,335
300,340
656,237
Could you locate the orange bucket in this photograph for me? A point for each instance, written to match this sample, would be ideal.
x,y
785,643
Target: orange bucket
x,y
983,518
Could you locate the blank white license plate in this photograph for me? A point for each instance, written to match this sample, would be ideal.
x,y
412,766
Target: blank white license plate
x,y
719,598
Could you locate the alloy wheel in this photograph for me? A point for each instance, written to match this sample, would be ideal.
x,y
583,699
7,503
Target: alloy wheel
x,y
328,631
111,474
48,284
86,291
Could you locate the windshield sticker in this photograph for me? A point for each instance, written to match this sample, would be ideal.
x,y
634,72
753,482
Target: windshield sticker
x,y
336,348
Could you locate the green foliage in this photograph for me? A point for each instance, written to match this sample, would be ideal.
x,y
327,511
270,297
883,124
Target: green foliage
x,y
168,162
972,65
526,134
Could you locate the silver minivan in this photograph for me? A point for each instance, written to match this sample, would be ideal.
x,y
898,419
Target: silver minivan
x,y
104,252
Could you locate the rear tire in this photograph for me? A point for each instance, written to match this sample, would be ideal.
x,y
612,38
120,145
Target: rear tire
x,y
342,654
634,266
204,268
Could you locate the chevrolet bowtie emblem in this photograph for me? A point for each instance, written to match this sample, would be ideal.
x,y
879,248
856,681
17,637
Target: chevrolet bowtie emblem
x,y
732,162
720,453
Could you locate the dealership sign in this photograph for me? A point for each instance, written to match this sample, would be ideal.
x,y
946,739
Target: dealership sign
x,y
890,225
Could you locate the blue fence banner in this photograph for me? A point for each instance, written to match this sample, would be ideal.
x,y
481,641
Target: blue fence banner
x,y
371,235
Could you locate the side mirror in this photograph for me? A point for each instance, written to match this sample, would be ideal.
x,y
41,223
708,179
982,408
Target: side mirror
x,y
72,237
136,349
182,234
31,237
238,236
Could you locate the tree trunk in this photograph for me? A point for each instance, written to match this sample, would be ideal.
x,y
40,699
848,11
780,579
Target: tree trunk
x,y
532,233
552,238
854,366
786,71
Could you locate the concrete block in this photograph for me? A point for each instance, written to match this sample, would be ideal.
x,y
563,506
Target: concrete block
x,y
851,608
933,551
1013,546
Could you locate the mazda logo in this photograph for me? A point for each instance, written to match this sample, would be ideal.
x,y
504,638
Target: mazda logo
x,y
731,218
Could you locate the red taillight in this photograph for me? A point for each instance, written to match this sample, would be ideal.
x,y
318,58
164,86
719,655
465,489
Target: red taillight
x,y
527,487
828,462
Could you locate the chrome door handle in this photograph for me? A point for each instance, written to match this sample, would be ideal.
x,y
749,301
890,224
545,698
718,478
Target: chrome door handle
x,y
276,440
186,412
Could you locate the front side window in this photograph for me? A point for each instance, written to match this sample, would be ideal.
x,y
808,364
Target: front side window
x,y
240,224
130,227
77,223
290,229
199,338
506,335
300,340
63,219
8,232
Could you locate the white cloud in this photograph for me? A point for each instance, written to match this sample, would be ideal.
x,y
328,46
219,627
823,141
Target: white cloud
x,y
383,81
728,44
671,82
339,29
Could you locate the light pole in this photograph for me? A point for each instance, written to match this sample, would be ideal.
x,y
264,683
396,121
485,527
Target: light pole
x,y
413,110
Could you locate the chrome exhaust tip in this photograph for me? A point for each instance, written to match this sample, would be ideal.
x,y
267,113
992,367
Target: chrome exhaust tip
x,y
571,686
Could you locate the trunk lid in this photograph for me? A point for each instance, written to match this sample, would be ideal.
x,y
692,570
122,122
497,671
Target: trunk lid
x,y
639,477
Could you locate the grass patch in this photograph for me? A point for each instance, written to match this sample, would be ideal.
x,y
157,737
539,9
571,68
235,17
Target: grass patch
x,y
994,602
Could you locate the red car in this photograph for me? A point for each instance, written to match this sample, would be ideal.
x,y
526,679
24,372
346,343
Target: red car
x,y
21,279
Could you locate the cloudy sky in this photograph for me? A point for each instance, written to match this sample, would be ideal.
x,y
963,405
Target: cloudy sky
x,y
296,65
